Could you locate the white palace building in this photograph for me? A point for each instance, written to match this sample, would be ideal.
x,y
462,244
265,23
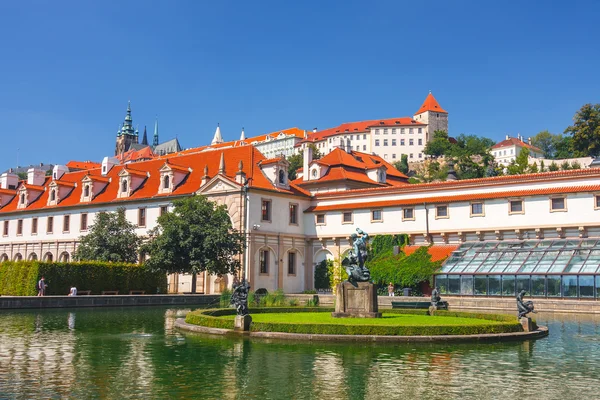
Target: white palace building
x,y
293,225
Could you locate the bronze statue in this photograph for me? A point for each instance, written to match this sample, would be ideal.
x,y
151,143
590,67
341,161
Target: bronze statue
x,y
239,298
356,258
524,308
435,297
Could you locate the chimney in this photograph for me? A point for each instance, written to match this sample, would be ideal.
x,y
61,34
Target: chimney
x,y
314,130
58,171
8,180
507,137
107,164
529,141
205,177
36,176
308,155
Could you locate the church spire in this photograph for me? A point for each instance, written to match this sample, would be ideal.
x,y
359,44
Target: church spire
x,y
217,138
145,137
155,139
243,135
127,128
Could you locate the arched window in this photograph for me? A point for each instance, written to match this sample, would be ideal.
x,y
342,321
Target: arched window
x,y
281,177
48,257
17,257
32,257
314,173
86,191
53,195
22,198
3,257
64,257
166,181
124,185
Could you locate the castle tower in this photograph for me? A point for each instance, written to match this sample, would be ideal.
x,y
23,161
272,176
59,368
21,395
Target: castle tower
x,y
432,114
126,136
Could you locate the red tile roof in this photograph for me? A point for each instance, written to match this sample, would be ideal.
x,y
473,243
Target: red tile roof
x,y
83,165
456,198
431,104
516,142
437,252
361,127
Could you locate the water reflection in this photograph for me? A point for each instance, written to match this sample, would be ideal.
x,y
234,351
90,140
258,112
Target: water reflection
x,y
133,353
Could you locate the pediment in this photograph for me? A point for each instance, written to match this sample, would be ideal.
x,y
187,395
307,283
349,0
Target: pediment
x,y
219,184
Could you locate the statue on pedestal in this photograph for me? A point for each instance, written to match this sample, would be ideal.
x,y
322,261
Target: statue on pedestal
x,y
239,298
524,308
355,260
435,297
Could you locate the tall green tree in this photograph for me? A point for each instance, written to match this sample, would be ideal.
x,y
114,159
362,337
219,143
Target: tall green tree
x,y
196,236
111,238
521,164
545,141
439,145
402,165
586,131
563,147
297,160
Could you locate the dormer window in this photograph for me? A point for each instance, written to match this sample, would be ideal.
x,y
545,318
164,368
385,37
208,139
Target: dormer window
x,y
22,199
166,182
282,177
86,191
314,173
53,195
124,186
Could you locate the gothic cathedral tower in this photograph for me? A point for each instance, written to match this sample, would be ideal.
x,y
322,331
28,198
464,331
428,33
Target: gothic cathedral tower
x,y
126,136
432,114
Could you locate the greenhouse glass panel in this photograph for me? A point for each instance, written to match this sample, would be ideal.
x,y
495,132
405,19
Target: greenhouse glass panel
x,y
553,286
490,245
466,284
598,286
506,257
592,262
558,244
538,285
546,262
476,262
489,262
523,283
543,244
586,286
571,244
515,264
579,257
453,284
532,261
495,287
569,284
588,243
461,265
465,246
441,282
508,285
451,262
481,284
561,261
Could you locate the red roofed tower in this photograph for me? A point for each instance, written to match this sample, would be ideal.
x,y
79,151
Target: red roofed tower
x,y
432,114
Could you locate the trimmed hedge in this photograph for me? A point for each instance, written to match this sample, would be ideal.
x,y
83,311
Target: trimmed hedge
x,y
210,318
19,278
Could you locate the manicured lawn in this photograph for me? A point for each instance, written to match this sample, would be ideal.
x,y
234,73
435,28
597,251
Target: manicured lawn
x,y
386,320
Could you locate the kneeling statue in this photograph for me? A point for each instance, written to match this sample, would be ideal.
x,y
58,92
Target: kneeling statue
x,y
524,308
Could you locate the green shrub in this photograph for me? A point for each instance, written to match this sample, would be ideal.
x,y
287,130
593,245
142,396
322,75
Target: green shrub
x,y
274,299
225,299
311,291
19,278
322,278
293,302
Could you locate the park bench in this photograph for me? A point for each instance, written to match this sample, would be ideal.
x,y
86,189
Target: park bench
x,y
137,292
109,292
84,292
442,305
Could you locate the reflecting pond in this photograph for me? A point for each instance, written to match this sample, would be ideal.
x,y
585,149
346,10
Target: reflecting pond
x,y
137,353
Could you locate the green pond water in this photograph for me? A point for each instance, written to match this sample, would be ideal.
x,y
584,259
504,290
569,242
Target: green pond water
x,y
136,353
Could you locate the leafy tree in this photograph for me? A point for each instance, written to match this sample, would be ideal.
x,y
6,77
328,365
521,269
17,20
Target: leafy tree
x,y
585,131
565,166
322,277
439,145
553,167
402,165
563,146
542,166
575,165
546,142
297,160
403,270
533,168
196,236
22,176
521,163
111,238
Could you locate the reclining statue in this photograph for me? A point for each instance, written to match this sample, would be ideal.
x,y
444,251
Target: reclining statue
x,y
524,308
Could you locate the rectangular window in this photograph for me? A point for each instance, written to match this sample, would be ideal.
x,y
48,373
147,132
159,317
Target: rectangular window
x,y
476,209
376,142
401,142
320,218
19,227
385,131
402,131
393,131
293,214
83,225
420,142
411,131
393,142
376,216
408,214
420,130
441,212
141,217
420,155
266,211
50,225
364,147
516,207
364,136
558,204
377,131
411,142
410,155
164,210
394,155
66,223
5,231
292,263
385,142
597,200
34,224
347,217
264,261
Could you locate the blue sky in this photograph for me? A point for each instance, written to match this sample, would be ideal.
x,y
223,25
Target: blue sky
x,y
68,68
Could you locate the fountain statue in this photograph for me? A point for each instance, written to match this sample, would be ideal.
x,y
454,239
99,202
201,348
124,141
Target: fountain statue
x,y
239,298
524,308
355,260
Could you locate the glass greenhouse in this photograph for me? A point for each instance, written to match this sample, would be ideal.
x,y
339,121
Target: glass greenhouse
x,y
568,268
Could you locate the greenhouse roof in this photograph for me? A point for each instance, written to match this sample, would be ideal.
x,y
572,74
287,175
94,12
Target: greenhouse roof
x,y
551,256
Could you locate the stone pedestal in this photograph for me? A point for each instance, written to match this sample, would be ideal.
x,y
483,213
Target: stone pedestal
x,y
242,323
358,301
432,310
527,324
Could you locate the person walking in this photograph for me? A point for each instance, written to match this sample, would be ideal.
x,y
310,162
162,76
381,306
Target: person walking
x,y
41,287
391,290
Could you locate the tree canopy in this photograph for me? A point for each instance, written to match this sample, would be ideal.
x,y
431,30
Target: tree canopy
x,y
111,238
296,161
554,146
196,236
585,131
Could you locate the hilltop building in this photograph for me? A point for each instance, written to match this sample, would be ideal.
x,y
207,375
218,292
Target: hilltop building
x,y
507,150
388,138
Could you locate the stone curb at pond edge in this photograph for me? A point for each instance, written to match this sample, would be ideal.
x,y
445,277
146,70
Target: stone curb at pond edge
x,y
542,331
